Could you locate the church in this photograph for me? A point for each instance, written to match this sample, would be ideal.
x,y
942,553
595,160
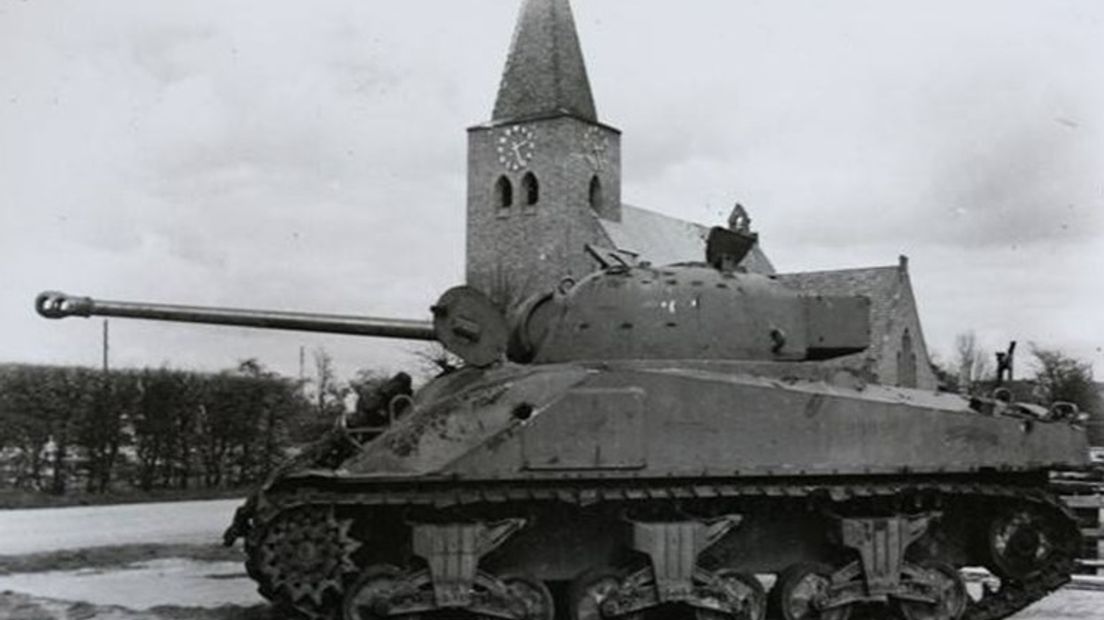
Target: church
x,y
544,202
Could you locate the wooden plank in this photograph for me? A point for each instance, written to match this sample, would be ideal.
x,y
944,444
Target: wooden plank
x,y
1086,582
1092,532
1084,501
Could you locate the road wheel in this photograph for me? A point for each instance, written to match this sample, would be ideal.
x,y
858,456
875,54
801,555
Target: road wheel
x,y
363,600
533,595
950,591
800,592
587,592
744,588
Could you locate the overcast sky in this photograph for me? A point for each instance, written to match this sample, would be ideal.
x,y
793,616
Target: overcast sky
x,y
311,156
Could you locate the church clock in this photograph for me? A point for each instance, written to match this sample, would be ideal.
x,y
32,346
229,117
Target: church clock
x,y
516,145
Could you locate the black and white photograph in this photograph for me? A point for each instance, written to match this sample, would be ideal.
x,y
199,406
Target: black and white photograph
x,y
551,310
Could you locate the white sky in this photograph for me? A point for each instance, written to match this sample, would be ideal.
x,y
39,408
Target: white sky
x,y
311,155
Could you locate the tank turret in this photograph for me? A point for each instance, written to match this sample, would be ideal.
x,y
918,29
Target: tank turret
x,y
689,311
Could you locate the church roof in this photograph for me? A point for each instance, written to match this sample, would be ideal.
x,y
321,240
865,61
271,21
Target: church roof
x,y
545,73
662,239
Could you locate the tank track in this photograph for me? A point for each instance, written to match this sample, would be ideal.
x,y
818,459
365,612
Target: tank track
x,y
443,495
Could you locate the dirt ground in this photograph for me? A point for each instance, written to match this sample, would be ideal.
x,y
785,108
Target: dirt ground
x,y
147,582
17,606
178,588
1064,605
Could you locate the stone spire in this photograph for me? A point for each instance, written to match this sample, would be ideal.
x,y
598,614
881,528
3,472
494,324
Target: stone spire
x,y
545,73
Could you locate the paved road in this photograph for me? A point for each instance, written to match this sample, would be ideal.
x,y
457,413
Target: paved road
x,y
50,529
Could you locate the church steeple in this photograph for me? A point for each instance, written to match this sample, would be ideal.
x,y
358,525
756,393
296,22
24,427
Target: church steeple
x,y
545,73
544,173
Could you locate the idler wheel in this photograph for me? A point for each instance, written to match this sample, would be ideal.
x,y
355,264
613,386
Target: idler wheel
x,y
801,592
533,595
365,600
589,590
1023,542
949,589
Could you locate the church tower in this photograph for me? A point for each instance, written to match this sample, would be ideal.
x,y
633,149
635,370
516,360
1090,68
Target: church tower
x,y
543,171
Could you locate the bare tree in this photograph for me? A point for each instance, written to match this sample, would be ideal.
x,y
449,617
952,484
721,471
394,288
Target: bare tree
x,y
330,394
971,362
434,359
1063,378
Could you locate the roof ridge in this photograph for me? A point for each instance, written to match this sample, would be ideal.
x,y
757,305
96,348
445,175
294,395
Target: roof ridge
x,y
662,214
893,268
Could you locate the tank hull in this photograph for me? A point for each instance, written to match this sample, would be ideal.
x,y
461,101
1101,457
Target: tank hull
x,y
656,420
675,483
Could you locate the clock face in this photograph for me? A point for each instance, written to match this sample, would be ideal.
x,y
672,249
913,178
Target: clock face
x,y
596,148
516,145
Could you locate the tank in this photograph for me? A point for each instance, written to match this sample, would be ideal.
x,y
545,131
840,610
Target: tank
x,y
685,441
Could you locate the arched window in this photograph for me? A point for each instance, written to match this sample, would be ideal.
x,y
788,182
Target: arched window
x,y
906,362
595,193
530,189
503,193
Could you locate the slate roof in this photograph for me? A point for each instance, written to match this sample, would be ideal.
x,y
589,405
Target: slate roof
x,y
545,73
662,239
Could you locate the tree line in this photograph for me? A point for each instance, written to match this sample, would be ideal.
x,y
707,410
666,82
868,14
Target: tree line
x,y
68,428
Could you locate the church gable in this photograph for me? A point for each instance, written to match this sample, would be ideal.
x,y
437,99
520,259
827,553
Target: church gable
x,y
898,354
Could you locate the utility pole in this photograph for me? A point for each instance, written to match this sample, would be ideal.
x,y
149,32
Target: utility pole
x,y
301,353
105,346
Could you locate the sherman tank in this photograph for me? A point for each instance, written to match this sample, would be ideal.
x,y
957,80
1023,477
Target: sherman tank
x,y
654,442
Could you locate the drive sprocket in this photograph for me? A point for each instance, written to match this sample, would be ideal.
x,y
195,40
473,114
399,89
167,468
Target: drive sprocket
x,y
301,559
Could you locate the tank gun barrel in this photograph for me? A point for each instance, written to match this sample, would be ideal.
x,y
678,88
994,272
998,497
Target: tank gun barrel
x,y
56,305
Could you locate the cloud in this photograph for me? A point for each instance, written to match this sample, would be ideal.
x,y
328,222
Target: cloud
x,y
924,124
